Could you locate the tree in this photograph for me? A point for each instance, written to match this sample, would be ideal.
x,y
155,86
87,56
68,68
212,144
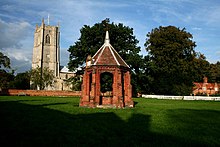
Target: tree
x,y
41,78
6,79
121,38
171,54
201,68
4,60
92,38
76,82
22,81
214,75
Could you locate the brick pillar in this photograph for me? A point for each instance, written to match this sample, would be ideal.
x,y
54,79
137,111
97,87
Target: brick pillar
x,y
87,82
93,86
119,89
115,88
128,89
97,94
85,89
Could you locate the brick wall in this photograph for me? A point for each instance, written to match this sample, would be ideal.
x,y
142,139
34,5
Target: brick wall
x,y
13,92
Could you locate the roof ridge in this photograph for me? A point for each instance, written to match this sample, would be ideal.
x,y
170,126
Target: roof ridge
x,y
103,48
113,55
98,51
119,56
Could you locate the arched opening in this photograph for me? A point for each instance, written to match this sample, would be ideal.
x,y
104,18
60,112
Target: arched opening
x,y
48,38
106,82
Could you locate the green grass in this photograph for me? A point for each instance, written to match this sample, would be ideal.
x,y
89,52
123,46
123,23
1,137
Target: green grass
x,y
58,121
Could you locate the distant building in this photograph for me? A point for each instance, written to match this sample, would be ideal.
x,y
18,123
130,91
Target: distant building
x,y
46,53
206,88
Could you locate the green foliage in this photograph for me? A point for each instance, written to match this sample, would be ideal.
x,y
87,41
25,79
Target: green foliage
x,y
201,68
56,121
76,82
22,81
171,66
6,79
171,56
4,61
9,81
214,75
92,38
41,78
106,81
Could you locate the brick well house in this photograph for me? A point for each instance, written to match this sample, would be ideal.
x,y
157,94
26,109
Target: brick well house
x,y
106,79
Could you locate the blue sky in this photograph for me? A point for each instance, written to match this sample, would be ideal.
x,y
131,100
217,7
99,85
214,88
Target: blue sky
x,y
18,19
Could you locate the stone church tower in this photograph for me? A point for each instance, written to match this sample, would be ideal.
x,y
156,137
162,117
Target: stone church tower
x,y
46,51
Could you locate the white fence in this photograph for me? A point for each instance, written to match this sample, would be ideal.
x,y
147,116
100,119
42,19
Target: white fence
x,y
205,98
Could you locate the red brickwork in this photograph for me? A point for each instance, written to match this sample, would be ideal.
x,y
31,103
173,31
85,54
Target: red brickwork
x,y
107,60
206,88
121,93
16,92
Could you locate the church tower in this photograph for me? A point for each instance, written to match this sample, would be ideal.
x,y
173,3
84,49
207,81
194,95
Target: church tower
x,y
46,51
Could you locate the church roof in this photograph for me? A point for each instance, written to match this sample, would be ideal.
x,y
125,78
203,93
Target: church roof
x,y
107,55
64,69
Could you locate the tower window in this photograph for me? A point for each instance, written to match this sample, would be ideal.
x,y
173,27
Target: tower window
x,y
48,39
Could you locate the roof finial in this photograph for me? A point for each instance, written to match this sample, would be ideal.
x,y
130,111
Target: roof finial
x,y
48,19
107,40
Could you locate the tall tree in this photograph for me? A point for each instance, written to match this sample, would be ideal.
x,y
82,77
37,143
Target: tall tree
x,y
4,60
41,78
214,72
22,81
92,38
171,54
6,79
201,68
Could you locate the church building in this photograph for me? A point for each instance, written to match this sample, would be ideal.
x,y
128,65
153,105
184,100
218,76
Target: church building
x,y
46,54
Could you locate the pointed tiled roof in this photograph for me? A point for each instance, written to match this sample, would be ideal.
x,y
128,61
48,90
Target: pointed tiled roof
x,y
107,55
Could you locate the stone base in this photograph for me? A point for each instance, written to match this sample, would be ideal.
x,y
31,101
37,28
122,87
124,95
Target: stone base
x,y
95,105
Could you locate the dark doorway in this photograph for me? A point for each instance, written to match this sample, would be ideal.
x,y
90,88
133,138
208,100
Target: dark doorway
x,y
106,82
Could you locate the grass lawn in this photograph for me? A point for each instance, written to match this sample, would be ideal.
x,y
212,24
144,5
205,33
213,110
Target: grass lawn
x,y
58,121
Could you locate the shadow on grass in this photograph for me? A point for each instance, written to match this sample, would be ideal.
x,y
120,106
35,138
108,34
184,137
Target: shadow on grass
x,y
29,125
203,125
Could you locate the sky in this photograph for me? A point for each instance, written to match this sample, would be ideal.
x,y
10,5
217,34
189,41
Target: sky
x,y
18,19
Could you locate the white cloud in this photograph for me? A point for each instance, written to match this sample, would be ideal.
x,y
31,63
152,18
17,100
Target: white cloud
x,y
16,44
12,33
20,60
197,28
19,55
